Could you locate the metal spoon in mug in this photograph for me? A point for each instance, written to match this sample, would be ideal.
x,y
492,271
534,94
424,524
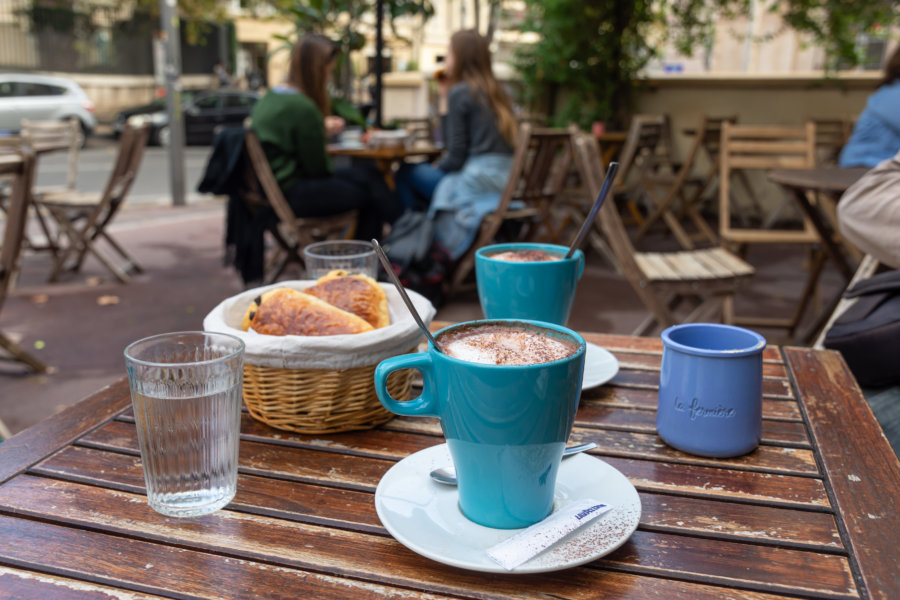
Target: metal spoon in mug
x,y
447,475
601,198
386,263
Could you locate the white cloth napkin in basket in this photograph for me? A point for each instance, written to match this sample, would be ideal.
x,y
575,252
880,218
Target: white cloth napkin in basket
x,y
322,352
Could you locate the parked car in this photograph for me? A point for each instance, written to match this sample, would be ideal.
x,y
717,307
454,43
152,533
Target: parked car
x,y
204,116
43,98
155,106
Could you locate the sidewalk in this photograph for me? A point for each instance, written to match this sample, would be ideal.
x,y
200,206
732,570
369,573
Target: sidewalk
x,y
81,325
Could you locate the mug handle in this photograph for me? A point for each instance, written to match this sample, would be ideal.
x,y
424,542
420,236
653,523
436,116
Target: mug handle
x,y
423,406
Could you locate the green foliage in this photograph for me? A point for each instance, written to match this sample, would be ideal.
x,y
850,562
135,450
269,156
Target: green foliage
x,y
343,21
592,52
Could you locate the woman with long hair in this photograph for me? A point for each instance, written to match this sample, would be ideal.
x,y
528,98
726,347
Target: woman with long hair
x,y
293,122
479,133
876,135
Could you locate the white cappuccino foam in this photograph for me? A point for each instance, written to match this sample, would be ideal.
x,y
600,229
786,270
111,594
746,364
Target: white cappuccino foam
x,y
525,256
506,346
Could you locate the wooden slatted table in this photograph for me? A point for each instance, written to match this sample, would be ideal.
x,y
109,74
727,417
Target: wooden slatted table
x,y
813,513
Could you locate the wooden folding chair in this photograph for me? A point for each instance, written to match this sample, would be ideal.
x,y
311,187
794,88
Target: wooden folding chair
x,y
540,164
46,137
291,232
84,217
672,186
758,148
663,280
639,157
831,135
21,167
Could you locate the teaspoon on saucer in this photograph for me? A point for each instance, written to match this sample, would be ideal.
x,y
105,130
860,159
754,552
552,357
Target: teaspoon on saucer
x,y
447,475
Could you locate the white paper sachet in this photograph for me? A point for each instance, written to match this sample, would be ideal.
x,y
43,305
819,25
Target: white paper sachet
x,y
528,543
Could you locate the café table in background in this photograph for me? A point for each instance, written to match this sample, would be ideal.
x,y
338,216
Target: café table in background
x,y
814,512
826,184
387,157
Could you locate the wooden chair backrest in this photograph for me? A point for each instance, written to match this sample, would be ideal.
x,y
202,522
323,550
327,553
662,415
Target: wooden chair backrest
x,y
639,154
56,135
831,135
272,191
132,143
760,147
590,168
22,173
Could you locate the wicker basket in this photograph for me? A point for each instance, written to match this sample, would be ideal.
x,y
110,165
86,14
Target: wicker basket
x,y
316,401
320,385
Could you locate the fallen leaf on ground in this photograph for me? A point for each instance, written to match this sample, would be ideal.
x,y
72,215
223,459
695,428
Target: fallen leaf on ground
x,y
105,300
40,298
39,344
93,281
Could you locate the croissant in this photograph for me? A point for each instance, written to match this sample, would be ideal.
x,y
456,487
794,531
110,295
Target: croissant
x,y
357,294
284,311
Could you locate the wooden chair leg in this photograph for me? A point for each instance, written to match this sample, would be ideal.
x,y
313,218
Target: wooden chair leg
x,y
18,354
812,282
131,262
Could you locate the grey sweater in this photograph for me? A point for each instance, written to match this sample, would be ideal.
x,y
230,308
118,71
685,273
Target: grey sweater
x,y
470,129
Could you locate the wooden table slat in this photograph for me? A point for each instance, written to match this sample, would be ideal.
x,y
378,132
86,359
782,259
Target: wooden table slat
x,y
16,584
351,509
359,555
845,436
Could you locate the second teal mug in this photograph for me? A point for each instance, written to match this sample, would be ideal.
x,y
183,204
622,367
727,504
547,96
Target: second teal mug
x,y
506,425
540,291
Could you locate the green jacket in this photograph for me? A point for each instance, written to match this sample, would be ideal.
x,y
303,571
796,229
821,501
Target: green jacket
x,y
291,130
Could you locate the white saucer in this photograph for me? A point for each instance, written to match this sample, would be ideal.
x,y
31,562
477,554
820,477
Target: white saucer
x,y
424,515
599,366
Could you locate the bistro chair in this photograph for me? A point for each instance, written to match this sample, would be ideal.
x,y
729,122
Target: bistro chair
x,y
540,165
831,135
757,148
663,281
21,167
46,137
672,187
639,157
291,232
84,217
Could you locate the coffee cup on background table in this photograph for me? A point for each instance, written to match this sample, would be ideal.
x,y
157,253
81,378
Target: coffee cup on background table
x,y
506,425
710,389
527,281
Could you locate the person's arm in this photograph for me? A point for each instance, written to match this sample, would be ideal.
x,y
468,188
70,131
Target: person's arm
x,y
456,130
309,139
869,213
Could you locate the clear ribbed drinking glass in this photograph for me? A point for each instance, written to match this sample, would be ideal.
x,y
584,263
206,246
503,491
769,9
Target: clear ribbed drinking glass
x,y
186,394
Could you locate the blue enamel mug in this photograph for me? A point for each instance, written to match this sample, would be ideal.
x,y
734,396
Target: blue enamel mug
x,y
539,291
710,389
506,425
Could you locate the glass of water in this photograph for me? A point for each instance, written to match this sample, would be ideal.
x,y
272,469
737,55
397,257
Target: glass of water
x,y
186,394
352,256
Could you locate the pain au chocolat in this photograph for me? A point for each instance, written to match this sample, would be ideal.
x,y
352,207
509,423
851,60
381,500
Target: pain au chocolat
x,y
337,304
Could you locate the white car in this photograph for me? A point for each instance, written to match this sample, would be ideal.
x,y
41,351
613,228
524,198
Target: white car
x,y
42,98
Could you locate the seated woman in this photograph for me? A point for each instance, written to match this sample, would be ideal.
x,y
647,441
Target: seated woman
x,y
876,136
479,131
293,121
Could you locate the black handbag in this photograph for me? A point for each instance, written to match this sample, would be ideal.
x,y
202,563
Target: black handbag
x,y
868,333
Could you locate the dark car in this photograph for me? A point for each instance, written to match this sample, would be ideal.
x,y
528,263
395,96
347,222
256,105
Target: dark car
x,y
204,115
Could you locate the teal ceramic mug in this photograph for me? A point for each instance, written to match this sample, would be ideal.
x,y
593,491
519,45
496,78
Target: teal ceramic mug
x,y
540,291
506,425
